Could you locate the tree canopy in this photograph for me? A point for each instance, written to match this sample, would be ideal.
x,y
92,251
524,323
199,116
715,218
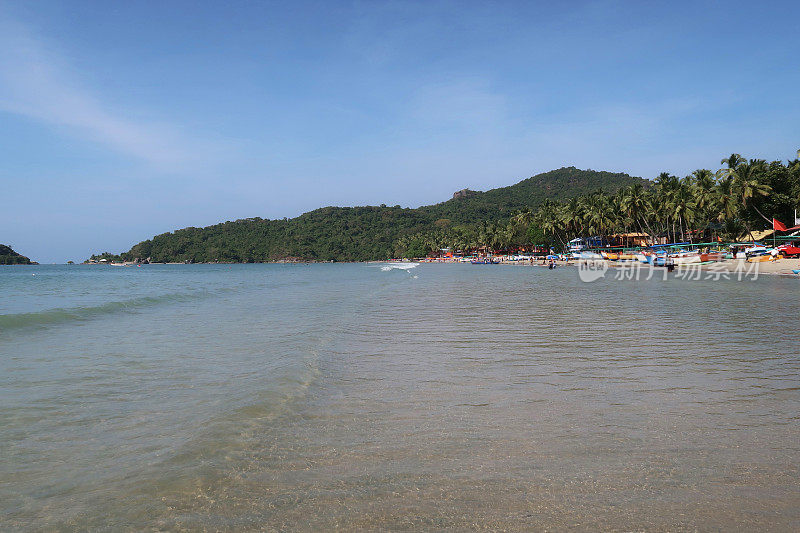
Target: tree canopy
x,y
10,257
547,210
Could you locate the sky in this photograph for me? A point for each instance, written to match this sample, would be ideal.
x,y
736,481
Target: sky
x,y
124,120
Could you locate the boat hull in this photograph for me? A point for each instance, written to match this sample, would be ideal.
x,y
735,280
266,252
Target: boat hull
x,y
685,259
712,256
760,259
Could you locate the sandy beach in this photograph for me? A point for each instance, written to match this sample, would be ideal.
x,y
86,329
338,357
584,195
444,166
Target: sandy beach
x,y
778,267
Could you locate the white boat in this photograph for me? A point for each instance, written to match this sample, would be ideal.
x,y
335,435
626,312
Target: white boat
x,y
591,256
757,249
685,258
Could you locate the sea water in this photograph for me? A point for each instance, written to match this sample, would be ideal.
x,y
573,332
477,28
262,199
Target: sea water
x,y
236,397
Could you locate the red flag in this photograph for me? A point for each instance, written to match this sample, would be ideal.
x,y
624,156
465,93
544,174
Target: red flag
x,y
778,225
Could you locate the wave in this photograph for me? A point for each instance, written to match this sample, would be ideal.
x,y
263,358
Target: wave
x,y
399,266
50,317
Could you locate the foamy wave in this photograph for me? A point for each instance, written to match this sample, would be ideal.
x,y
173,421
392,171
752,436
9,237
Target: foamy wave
x,y
399,266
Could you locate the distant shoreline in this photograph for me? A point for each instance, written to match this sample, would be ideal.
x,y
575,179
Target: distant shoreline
x,y
781,267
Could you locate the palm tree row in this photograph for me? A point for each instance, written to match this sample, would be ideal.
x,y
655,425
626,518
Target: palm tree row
x,y
703,205
740,197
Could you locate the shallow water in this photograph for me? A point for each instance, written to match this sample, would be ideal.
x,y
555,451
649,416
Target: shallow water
x,y
445,396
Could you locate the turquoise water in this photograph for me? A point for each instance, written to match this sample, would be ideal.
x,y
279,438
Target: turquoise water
x,y
446,396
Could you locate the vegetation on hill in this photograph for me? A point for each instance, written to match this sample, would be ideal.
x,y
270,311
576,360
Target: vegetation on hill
x,y
108,256
10,257
327,234
502,203
547,209
362,233
741,197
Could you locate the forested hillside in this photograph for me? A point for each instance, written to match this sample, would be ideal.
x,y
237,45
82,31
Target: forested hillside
x,y
10,257
548,209
364,233
556,185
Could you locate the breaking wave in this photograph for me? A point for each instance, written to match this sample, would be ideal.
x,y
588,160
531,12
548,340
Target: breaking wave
x,y
50,317
399,266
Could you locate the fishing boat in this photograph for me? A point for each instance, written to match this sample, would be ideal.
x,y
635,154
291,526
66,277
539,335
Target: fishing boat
x,y
712,256
763,258
646,257
658,254
590,256
755,250
759,250
685,258
796,271
485,261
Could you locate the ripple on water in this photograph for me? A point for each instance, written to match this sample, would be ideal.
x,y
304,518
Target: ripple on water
x,y
344,396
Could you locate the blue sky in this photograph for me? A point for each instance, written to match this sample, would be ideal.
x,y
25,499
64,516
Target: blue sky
x,y
119,121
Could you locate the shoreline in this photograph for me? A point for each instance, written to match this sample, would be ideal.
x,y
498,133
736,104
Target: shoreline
x,y
781,267
729,266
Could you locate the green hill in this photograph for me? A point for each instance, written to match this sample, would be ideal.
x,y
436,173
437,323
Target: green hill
x,y
365,233
10,257
560,184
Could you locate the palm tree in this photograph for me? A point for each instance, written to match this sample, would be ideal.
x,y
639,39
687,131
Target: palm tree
x,y
635,205
727,203
571,217
523,216
732,163
748,184
484,234
496,236
619,220
704,190
597,215
742,180
682,206
666,187
549,220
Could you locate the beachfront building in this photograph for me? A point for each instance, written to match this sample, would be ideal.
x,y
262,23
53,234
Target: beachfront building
x,y
586,243
628,240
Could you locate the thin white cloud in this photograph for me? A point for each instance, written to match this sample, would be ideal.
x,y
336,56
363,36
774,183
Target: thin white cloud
x,y
36,83
467,105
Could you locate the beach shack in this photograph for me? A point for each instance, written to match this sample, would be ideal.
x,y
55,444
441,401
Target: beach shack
x,y
585,243
629,240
